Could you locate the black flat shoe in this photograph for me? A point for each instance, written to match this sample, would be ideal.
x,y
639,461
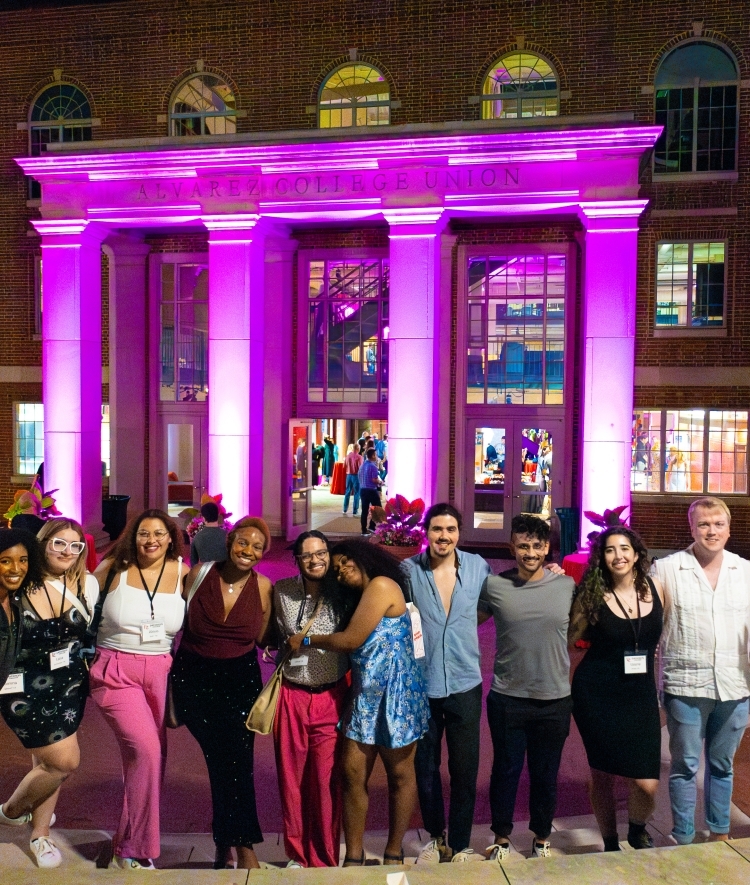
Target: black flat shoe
x,y
354,862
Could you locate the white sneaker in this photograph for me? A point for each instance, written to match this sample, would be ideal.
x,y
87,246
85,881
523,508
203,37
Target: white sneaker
x,y
468,854
540,849
14,821
294,865
130,863
46,853
498,853
434,851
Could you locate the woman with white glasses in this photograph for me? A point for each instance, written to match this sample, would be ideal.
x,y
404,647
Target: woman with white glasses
x,y
141,612
46,712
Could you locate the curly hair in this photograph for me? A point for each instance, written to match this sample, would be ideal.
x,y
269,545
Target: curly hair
x,y
20,537
372,559
126,551
76,574
597,579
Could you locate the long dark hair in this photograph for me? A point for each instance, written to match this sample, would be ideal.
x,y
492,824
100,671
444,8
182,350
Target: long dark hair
x,y
373,560
597,579
15,537
126,551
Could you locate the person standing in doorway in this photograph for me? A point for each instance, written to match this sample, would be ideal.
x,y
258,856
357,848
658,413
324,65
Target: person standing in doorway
x,y
352,463
705,665
529,704
445,583
369,486
210,543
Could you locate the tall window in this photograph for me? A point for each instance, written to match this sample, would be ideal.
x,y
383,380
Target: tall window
x,y
354,95
28,432
184,333
348,331
520,84
61,113
690,285
696,103
696,451
516,329
203,105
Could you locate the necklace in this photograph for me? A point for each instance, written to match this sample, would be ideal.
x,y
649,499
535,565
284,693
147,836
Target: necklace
x,y
230,588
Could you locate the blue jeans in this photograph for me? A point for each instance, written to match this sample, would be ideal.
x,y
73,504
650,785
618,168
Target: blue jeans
x,y
352,488
693,722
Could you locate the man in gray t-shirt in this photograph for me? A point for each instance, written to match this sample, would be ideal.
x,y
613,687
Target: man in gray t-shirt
x,y
528,707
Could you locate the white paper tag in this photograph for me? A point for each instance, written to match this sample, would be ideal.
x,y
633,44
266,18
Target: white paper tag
x,y
416,630
298,661
13,684
153,631
59,658
636,663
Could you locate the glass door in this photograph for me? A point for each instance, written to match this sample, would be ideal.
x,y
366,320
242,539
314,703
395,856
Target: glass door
x,y
186,448
299,507
511,470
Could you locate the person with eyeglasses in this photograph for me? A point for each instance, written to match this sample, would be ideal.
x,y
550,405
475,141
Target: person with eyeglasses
x,y
47,708
310,705
141,611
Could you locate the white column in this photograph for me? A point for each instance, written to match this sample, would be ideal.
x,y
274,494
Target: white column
x,y
235,362
128,383
72,367
412,351
609,277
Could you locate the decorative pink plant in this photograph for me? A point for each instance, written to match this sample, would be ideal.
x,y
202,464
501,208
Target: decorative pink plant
x,y
34,502
606,520
397,523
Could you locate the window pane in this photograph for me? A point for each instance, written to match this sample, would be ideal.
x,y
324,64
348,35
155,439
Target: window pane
x,y
645,473
673,151
708,277
489,477
203,105
522,85
354,95
29,437
727,453
684,455
166,354
672,266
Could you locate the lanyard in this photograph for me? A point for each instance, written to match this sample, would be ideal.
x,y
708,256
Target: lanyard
x,y
59,617
302,608
637,635
156,587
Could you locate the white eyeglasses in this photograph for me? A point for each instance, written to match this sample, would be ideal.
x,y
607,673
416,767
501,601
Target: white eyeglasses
x,y
60,545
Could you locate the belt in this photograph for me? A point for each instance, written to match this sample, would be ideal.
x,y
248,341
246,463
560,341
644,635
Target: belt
x,y
314,689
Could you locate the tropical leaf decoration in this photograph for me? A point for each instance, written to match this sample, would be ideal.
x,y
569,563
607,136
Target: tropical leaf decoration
x,y
606,520
397,524
34,502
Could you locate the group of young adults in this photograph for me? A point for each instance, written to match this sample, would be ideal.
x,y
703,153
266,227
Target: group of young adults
x,y
354,689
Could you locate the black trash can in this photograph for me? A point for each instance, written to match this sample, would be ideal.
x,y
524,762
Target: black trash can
x,y
115,514
570,527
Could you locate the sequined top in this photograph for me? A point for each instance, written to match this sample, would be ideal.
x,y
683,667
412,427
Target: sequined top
x,y
293,609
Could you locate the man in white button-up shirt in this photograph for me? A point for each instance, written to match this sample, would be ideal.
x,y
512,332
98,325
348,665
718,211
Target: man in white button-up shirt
x,y
706,667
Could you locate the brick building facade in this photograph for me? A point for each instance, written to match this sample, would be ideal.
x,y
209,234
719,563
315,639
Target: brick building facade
x,y
610,67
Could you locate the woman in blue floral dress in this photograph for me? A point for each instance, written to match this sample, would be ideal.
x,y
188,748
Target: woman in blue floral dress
x,y
388,710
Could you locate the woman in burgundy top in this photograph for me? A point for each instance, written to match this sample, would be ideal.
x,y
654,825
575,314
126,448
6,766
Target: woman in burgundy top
x,y
216,679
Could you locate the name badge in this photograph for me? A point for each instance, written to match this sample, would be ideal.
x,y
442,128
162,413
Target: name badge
x,y
416,630
153,631
298,661
59,658
636,662
13,684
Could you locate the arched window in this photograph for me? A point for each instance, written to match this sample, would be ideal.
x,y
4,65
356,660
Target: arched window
x,y
696,103
60,113
520,84
354,95
203,104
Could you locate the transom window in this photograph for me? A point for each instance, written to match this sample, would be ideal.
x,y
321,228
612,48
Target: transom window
x,y
516,329
184,333
520,84
696,103
354,95
348,331
690,285
28,438
61,113
203,105
692,451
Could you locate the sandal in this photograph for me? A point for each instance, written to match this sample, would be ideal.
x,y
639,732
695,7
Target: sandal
x,y
353,861
393,859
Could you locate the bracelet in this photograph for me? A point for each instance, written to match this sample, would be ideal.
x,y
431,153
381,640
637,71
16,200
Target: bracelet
x,y
306,640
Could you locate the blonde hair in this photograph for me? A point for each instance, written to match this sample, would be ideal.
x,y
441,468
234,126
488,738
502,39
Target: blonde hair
x,y
76,574
708,503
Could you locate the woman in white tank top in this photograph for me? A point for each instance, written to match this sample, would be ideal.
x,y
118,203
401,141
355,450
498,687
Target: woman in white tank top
x,y
142,612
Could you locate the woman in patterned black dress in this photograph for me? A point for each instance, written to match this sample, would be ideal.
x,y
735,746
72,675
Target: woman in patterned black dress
x,y
620,610
46,713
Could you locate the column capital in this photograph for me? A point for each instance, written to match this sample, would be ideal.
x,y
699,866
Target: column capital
x,y
612,216
70,231
415,222
232,228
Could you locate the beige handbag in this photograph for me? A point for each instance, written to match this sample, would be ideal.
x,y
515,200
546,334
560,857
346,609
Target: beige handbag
x,y
263,711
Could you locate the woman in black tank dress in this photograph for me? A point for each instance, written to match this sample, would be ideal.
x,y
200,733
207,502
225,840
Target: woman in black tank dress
x,y
619,609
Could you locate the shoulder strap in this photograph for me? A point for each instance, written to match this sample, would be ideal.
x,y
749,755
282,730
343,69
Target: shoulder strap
x,y
179,574
93,627
202,572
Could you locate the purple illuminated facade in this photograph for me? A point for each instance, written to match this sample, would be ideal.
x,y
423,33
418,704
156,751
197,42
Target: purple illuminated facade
x,y
249,197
